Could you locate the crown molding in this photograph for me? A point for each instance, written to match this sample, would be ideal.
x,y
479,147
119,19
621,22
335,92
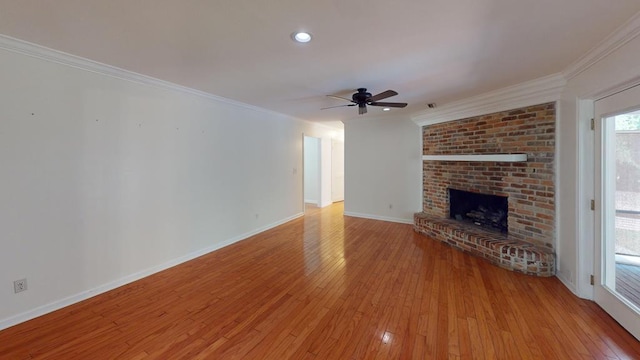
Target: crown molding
x,y
603,93
44,53
622,35
534,92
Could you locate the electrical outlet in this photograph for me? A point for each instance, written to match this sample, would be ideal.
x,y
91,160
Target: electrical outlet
x,y
19,285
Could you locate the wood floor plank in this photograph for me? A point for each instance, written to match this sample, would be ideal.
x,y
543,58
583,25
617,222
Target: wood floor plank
x,y
327,286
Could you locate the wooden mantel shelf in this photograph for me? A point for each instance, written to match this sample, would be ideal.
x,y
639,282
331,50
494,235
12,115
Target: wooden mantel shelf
x,y
478,157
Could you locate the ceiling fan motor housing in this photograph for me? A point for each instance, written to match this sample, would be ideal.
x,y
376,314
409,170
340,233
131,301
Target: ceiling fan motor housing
x,y
361,96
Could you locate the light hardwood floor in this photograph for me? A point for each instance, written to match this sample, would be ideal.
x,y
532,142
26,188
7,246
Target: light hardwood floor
x,y
329,287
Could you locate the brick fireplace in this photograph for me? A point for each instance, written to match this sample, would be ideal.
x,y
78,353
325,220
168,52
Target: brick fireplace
x,y
528,185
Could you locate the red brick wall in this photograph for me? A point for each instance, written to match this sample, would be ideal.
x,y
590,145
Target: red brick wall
x,y
529,185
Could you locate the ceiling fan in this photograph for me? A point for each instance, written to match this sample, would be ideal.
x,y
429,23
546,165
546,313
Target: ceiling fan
x,y
362,98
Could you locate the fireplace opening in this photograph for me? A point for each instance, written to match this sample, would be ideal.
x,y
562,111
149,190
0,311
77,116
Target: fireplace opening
x,y
488,211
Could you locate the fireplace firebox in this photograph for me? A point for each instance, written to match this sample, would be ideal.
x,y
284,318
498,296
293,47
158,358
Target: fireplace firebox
x,y
488,211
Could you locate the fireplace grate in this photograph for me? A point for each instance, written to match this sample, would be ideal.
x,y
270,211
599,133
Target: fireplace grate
x,y
485,210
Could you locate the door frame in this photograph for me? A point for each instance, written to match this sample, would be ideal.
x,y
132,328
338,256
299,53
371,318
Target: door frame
x,y
617,306
585,243
319,169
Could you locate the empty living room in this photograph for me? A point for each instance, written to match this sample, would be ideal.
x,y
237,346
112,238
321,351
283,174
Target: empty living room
x,y
320,180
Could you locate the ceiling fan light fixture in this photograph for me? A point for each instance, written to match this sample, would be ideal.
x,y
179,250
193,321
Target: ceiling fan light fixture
x,y
301,37
362,98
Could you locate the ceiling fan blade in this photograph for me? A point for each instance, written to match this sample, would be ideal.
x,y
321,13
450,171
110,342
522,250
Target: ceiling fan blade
x,y
362,109
383,95
339,98
388,104
331,107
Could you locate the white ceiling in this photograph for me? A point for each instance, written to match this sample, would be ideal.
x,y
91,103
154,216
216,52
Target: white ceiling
x,y
427,50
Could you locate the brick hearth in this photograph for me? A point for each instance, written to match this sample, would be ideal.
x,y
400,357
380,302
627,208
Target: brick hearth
x,y
498,249
528,185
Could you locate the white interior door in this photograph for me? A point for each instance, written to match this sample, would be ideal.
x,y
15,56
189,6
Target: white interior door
x,y
617,199
337,170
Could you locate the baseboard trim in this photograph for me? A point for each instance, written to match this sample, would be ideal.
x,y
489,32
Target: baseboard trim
x,y
567,283
70,300
377,217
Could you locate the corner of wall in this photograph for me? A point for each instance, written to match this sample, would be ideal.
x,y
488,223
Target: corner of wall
x,y
567,282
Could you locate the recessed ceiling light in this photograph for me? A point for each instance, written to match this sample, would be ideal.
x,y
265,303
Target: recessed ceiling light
x,y
301,37
386,109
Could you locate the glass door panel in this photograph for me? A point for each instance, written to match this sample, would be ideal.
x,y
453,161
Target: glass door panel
x,y
617,180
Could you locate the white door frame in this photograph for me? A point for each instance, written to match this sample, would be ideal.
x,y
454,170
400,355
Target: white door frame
x,y
618,307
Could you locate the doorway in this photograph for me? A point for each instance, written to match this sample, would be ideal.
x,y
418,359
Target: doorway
x,y
337,170
617,205
311,171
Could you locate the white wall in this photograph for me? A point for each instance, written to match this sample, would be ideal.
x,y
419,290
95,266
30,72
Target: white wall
x,y
617,70
337,170
312,170
325,169
383,168
106,180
